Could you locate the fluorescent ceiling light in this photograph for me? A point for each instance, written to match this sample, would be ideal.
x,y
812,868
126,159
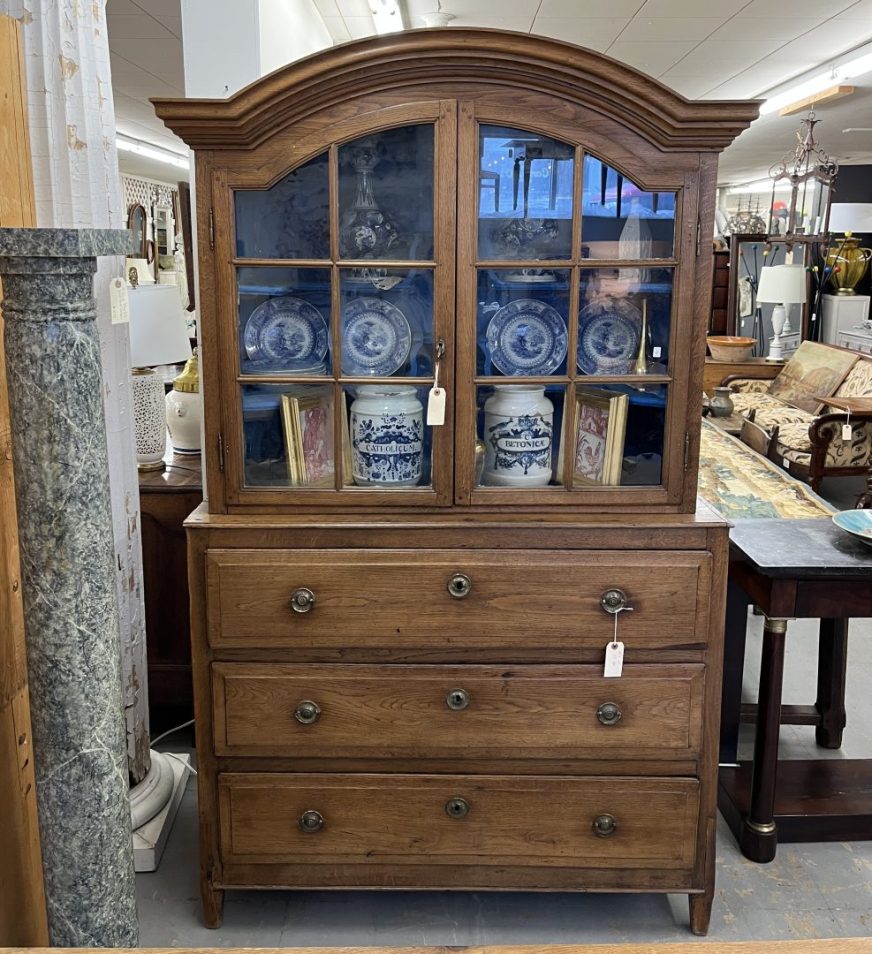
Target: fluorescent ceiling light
x,y
818,83
152,152
386,16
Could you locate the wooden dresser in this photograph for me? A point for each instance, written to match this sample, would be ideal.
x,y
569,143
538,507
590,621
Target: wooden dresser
x,y
402,619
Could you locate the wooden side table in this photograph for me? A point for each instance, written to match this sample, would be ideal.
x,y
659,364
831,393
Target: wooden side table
x,y
165,500
715,371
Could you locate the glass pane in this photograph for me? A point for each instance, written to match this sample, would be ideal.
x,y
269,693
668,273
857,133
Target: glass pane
x,y
284,320
522,322
386,195
288,434
621,221
525,186
390,446
289,220
387,322
623,320
516,441
617,435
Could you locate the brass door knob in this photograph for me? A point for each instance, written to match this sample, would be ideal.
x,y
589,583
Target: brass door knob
x,y
614,601
604,825
457,808
459,585
457,699
311,821
609,713
307,712
302,600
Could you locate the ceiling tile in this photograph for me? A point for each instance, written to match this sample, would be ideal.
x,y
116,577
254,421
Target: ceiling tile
x,y
337,28
138,83
139,26
173,24
161,8
159,57
691,8
492,10
765,28
688,86
593,34
798,8
123,8
328,8
354,8
588,9
651,58
671,28
360,27
861,12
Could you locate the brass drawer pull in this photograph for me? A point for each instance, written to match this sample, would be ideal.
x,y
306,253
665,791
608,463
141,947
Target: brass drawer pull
x,y
457,808
311,821
614,601
459,585
307,712
609,713
302,600
604,825
457,699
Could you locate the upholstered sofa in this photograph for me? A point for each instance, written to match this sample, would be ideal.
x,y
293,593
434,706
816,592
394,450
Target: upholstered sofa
x,y
807,435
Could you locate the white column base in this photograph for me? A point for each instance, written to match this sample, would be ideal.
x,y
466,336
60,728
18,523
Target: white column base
x,y
154,804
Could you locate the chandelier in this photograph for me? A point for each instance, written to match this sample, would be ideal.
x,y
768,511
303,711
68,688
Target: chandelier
x,y
809,172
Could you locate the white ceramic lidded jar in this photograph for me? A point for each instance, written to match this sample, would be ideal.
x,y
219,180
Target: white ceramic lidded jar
x,y
518,433
387,436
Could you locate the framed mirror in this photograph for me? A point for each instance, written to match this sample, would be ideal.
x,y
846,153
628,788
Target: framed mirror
x,y
137,222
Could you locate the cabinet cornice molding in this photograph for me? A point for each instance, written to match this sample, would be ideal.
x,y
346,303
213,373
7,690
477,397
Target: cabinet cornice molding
x,y
443,60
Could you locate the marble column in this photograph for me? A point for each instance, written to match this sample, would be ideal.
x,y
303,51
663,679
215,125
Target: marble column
x,y
68,567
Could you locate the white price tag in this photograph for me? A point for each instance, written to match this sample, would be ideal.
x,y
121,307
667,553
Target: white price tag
x,y
847,431
436,407
614,660
119,303
785,463
656,352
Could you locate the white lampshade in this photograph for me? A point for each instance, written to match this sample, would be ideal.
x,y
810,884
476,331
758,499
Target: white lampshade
x,y
782,284
851,217
158,330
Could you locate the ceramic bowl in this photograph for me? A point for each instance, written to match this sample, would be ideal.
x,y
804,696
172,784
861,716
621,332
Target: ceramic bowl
x,y
730,347
856,522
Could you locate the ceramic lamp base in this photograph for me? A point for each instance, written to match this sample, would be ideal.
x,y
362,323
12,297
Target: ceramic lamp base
x,y
183,415
149,419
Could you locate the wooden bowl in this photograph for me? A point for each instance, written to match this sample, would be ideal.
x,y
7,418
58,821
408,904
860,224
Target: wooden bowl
x,y
730,347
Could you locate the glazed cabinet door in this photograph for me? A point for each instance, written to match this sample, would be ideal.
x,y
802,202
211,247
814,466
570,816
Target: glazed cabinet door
x,y
568,335
340,288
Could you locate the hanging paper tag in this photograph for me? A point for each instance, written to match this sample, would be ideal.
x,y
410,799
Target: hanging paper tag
x,y
436,407
785,463
119,303
656,352
614,660
847,431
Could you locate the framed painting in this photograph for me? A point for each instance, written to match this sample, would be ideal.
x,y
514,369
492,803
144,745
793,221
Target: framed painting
x,y
600,427
813,370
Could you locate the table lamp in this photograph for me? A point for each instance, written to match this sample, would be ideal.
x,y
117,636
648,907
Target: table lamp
x,y
780,285
847,260
158,335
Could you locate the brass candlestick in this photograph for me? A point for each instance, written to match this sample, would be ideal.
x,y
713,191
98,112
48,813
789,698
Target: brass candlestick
x,y
641,366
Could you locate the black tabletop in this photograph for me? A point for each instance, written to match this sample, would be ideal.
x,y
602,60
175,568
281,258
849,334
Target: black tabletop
x,y
805,549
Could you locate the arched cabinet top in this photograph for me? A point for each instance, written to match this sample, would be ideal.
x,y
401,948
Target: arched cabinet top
x,y
460,59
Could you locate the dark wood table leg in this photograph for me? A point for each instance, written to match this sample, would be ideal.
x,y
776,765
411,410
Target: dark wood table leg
x,y
734,667
831,681
759,838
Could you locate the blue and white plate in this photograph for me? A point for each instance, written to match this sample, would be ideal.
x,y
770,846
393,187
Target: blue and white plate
x,y
608,336
856,522
376,337
527,337
286,330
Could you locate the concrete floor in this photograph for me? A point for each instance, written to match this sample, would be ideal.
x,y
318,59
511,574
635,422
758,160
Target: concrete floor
x,y
810,890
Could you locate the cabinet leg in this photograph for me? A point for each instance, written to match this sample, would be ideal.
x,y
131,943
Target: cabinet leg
x,y
701,911
831,680
759,839
213,905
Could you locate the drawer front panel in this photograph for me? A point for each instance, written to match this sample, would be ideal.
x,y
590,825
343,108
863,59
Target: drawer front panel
x,y
326,711
401,599
492,820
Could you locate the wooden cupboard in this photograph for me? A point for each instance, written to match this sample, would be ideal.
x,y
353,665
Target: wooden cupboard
x,y
399,625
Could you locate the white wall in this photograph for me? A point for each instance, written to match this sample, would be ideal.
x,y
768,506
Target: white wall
x,y
289,30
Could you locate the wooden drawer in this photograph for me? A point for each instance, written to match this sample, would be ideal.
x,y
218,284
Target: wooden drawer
x,y
400,599
531,821
404,711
